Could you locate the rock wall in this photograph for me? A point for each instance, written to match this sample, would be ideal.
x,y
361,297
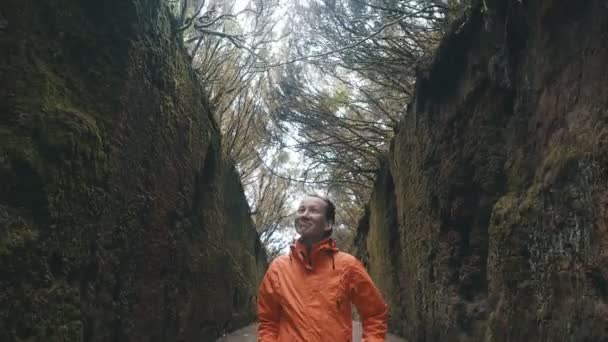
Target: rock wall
x,y
489,221
119,218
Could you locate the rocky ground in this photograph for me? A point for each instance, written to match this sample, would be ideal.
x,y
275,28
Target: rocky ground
x,y
248,334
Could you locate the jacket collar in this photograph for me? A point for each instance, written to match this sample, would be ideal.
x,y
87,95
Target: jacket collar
x,y
308,257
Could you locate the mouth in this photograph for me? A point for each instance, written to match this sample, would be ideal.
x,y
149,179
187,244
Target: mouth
x,y
302,225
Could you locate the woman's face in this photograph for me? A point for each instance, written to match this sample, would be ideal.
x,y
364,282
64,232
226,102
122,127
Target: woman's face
x,y
311,221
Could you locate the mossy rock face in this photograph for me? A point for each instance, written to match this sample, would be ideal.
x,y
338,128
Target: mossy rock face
x,y
119,218
499,182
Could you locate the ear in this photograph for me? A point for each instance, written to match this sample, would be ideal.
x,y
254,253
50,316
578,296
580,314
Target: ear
x,y
327,227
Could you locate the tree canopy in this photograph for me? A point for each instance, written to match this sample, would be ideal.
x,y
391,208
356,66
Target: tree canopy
x,y
308,94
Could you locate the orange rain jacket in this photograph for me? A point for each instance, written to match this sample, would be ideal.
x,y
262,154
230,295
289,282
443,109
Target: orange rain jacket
x,y
307,297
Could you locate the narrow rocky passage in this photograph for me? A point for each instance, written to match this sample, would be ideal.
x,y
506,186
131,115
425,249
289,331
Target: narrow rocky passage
x,y
124,217
248,334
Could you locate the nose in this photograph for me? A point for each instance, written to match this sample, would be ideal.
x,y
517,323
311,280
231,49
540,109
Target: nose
x,y
303,213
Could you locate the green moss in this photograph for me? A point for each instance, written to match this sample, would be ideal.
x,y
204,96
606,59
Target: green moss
x,y
556,158
51,156
20,149
57,122
71,331
15,238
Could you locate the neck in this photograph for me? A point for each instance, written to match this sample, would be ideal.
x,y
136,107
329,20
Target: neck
x,y
309,241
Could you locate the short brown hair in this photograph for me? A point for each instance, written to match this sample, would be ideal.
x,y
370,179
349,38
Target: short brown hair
x,y
330,210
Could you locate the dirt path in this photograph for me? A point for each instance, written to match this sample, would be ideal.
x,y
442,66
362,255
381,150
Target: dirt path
x,y
248,334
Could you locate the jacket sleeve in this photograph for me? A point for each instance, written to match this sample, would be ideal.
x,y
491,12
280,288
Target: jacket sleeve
x,y
269,310
370,305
